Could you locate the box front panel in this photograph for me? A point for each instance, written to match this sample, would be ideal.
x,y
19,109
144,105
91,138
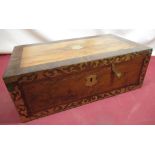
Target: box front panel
x,y
46,93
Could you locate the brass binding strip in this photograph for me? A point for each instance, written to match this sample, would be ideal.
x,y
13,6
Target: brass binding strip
x,y
117,73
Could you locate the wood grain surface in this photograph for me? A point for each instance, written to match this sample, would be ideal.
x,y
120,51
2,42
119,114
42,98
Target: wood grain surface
x,y
41,54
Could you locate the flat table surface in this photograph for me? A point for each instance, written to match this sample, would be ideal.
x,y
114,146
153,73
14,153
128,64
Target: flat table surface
x,y
134,107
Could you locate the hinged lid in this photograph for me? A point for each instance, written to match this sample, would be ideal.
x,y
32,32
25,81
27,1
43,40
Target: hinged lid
x,y
37,57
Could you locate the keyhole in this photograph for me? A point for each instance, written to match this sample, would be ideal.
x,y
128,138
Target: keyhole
x,y
91,79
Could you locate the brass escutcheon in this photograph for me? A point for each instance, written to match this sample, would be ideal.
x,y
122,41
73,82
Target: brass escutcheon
x,y
91,80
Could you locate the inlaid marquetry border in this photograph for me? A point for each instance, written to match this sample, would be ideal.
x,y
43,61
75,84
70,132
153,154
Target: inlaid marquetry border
x,y
62,71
